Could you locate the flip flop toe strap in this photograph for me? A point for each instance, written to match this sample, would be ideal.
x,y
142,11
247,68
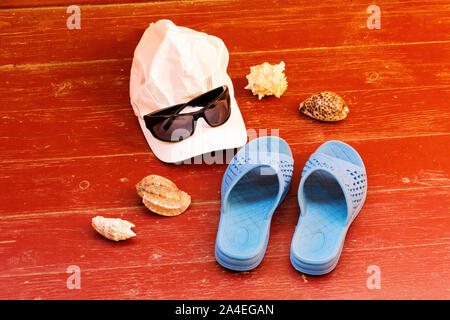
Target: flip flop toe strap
x,y
352,178
280,163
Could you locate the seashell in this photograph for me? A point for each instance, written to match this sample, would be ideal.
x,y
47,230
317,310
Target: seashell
x,y
113,229
162,196
325,106
266,79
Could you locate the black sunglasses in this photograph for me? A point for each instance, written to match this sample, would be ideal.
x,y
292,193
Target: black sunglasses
x,y
170,125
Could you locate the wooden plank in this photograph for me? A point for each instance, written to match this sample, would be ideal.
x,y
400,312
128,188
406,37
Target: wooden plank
x,y
45,3
274,279
109,130
403,232
87,106
108,182
112,32
105,83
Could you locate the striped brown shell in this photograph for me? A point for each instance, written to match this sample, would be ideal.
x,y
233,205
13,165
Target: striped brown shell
x,y
161,196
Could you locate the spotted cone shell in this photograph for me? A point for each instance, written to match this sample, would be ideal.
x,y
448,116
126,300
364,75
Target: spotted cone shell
x,y
325,106
161,196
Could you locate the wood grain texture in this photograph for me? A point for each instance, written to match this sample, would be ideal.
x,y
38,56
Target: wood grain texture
x,y
339,69
294,25
45,3
72,184
86,106
71,148
169,258
93,132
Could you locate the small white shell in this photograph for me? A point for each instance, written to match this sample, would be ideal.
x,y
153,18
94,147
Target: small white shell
x,y
266,79
113,229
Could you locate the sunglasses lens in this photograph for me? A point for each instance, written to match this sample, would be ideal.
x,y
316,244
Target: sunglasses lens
x,y
219,113
174,128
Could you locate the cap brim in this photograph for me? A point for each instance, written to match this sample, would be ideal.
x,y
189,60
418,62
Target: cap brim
x,y
206,139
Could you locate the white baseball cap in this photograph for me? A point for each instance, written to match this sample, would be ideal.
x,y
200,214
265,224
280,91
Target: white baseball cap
x,y
173,65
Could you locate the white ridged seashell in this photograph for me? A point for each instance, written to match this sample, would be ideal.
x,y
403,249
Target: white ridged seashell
x,y
113,228
267,79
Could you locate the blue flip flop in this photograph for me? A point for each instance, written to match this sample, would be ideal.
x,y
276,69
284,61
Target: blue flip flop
x,y
254,184
332,192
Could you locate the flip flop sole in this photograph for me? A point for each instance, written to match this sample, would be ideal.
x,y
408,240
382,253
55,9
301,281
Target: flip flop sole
x,y
254,185
331,196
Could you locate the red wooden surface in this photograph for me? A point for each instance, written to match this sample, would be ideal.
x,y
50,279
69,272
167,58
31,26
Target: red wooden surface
x,y
72,149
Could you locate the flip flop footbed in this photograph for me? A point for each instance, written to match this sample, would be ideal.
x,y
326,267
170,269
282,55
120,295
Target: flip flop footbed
x,y
331,194
246,213
254,184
